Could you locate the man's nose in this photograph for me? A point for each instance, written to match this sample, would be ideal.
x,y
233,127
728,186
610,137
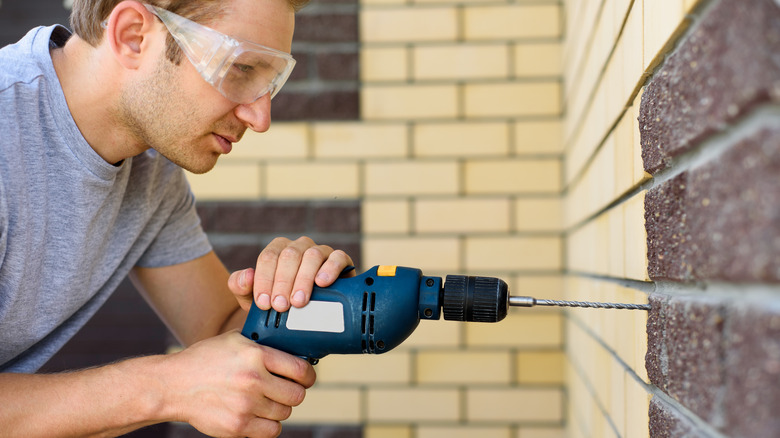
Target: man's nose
x,y
256,115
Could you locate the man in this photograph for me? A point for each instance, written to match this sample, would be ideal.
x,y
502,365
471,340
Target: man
x,y
96,128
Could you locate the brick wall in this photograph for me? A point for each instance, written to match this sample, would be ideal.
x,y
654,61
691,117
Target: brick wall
x,y
711,139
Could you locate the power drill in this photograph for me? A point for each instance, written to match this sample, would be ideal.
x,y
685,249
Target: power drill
x,y
374,312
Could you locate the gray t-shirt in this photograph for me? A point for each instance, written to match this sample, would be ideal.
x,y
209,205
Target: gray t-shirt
x,y
72,225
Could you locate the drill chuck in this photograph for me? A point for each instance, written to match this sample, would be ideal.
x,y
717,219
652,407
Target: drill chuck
x,y
479,299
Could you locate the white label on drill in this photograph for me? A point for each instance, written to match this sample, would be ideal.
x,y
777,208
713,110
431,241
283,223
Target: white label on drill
x,y
317,316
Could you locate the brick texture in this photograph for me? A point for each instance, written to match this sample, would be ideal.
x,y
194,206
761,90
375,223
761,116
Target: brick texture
x,y
715,225
720,221
725,68
325,82
720,360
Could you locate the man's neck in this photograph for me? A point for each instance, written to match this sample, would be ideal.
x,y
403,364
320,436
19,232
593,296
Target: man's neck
x,y
91,90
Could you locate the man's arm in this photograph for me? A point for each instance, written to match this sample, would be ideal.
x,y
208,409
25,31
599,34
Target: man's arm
x,y
223,385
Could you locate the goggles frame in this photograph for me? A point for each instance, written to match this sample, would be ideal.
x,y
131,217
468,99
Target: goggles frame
x,y
213,54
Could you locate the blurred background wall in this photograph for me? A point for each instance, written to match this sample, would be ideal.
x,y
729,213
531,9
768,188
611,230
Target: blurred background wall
x,y
529,140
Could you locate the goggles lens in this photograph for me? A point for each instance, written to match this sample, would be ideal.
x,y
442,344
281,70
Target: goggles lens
x,y
242,71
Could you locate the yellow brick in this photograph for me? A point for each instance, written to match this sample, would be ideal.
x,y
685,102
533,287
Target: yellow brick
x,y
616,242
637,408
412,404
540,367
411,178
518,330
539,214
663,23
384,64
461,62
462,432
435,334
539,137
513,99
319,407
510,22
409,102
514,405
538,432
409,24
543,287
227,181
374,431
282,140
385,216
513,176
538,59
461,215
636,238
631,45
427,254
359,140
513,253
312,180
390,367
617,406
461,139
463,367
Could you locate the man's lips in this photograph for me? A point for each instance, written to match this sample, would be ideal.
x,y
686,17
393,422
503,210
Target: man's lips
x,y
226,143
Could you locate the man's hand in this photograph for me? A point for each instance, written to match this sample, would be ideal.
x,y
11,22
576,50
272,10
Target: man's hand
x,y
286,272
230,386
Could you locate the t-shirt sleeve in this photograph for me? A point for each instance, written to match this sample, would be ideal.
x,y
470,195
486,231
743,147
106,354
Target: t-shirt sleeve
x,y
181,237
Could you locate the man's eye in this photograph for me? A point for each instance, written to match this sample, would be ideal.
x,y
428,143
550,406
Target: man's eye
x,y
243,68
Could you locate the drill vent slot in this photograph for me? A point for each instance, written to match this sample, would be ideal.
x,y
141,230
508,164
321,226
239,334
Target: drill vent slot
x,y
367,322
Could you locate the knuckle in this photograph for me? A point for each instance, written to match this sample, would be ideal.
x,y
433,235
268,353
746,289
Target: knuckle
x,y
267,255
290,253
315,251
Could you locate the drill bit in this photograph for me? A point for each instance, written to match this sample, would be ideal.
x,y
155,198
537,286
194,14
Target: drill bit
x,y
531,302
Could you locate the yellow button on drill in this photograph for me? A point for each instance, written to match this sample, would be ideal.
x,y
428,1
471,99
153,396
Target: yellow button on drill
x,y
385,271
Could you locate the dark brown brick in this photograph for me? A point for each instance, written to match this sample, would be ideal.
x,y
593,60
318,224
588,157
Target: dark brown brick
x,y
251,217
320,105
729,64
685,351
720,221
326,28
656,358
667,422
336,218
694,340
752,390
338,66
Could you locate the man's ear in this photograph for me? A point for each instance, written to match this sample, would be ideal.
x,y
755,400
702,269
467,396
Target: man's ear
x,y
129,29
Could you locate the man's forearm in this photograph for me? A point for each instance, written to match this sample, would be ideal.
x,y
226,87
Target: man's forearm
x,y
105,401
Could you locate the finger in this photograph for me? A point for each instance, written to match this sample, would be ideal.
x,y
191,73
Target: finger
x,y
240,284
262,428
310,264
293,369
333,267
265,271
286,271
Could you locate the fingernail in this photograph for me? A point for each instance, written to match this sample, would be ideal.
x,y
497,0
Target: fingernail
x,y
264,301
298,298
280,303
323,276
246,278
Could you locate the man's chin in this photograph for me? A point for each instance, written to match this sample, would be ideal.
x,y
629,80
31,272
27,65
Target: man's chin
x,y
198,168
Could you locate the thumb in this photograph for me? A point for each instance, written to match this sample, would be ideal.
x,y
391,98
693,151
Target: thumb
x,y
240,284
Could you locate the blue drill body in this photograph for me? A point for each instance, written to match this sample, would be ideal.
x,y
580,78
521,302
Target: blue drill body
x,y
375,312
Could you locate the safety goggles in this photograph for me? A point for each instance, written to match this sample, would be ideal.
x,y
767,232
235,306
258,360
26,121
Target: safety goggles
x,y
242,71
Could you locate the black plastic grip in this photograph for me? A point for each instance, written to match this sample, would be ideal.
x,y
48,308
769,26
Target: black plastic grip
x,y
478,299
